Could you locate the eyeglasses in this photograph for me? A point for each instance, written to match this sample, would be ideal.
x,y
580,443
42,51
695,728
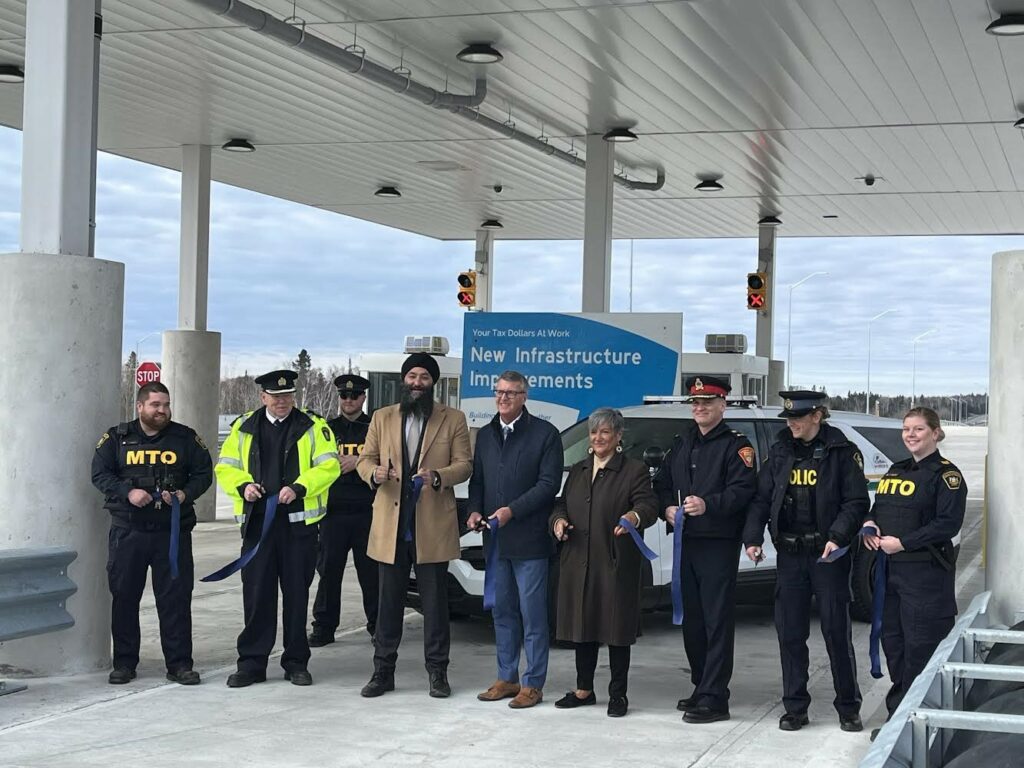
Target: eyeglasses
x,y
350,395
508,394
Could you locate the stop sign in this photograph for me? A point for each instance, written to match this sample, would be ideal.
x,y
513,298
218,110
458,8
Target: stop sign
x,y
147,373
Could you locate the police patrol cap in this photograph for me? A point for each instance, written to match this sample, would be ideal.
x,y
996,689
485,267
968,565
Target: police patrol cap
x,y
349,382
706,387
800,402
278,382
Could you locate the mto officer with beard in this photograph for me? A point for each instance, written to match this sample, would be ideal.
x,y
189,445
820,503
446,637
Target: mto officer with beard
x,y
812,495
346,528
416,452
145,468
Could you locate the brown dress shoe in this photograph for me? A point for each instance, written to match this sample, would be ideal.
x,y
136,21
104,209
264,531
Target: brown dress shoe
x,y
501,689
527,697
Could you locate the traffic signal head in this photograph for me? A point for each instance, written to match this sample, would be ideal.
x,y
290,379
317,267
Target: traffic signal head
x,y
757,291
467,288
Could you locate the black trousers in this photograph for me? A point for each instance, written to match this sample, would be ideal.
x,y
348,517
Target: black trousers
x,y
286,559
431,580
586,665
708,579
341,533
920,610
131,553
798,578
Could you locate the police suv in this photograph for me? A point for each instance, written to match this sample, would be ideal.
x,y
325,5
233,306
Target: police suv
x,y
649,433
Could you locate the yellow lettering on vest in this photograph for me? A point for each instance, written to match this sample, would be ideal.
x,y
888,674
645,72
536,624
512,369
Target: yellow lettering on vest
x,y
135,457
168,457
907,488
151,457
350,449
803,477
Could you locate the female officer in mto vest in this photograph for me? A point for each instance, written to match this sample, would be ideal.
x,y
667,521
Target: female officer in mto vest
x,y
813,496
919,508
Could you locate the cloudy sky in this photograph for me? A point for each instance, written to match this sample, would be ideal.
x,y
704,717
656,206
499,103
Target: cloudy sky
x,y
362,286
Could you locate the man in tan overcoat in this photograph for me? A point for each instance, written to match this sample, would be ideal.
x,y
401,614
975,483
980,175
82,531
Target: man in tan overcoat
x,y
416,441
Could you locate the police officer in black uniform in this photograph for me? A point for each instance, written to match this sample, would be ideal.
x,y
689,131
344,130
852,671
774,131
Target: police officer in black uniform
x,y
138,466
347,524
919,508
709,477
812,494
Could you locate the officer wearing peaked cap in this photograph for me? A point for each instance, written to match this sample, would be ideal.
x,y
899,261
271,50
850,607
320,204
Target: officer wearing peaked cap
x,y
277,451
812,495
346,528
709,478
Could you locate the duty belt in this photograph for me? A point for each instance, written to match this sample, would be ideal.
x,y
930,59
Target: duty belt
x,y
795,543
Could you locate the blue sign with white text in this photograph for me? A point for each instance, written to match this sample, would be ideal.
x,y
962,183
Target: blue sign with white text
x,y
573,363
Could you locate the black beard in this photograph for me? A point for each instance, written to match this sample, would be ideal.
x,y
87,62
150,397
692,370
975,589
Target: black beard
x,y
420,407
152,424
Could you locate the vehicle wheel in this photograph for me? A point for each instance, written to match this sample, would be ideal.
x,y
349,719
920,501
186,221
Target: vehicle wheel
x,y
862,581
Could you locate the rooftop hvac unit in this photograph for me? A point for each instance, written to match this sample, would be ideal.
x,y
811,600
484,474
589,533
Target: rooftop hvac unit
x,y
432,345
725,343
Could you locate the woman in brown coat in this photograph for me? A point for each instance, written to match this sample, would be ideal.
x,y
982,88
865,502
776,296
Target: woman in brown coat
x,y
599,577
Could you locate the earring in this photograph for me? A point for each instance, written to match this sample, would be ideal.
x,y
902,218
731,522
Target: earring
x,y
618,448
590,451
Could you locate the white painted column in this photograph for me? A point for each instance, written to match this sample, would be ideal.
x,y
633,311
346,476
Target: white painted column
x,y
61,315
57,125
191,354
1005,529
483,264
597,225
766,233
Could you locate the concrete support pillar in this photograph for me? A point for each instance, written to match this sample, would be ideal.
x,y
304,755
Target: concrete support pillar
x,y
1005,529
61,348
191,371
597,225
61,316
483,264
776,382
194,263
766,232
191,354
58,124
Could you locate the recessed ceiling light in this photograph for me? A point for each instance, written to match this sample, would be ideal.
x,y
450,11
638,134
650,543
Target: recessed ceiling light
x,y
491,224
620,134
769,221
238,145
1008,24
11,73
388,192
479,53
709,185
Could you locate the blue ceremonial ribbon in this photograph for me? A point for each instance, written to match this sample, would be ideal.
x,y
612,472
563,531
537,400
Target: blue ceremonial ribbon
x,y
677,560
877,606
490,563
638,539
172,548
835,554
241,562
417,486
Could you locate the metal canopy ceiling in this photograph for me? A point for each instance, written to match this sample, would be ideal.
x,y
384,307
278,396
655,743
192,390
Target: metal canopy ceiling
x,y
787,100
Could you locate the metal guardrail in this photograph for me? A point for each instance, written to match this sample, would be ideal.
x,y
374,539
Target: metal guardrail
x,y
34,588
918,734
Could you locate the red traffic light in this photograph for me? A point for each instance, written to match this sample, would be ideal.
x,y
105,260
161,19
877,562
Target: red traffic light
x,y
466,299
757,290
755,301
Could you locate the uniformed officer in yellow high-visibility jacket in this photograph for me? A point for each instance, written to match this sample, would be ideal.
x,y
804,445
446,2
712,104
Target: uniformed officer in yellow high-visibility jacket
x,y
291,454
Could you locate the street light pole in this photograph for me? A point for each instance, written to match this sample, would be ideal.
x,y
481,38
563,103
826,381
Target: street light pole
x,y
151,333
867,395
913,385
789,328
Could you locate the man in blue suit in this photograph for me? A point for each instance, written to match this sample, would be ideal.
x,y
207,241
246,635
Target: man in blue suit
x,y
517,471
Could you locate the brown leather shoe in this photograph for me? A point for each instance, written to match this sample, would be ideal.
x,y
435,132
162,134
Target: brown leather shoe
x,y
527,697
501,689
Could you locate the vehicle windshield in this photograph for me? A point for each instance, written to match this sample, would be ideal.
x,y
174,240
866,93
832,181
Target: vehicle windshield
x,y
888,440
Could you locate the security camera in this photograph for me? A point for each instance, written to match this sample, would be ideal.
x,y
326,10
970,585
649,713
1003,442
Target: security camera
x,y
497,189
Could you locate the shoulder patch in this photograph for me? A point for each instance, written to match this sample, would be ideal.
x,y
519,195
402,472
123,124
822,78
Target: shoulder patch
x,y
326,431
747,454
200,441
858,459
952,479
106,436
